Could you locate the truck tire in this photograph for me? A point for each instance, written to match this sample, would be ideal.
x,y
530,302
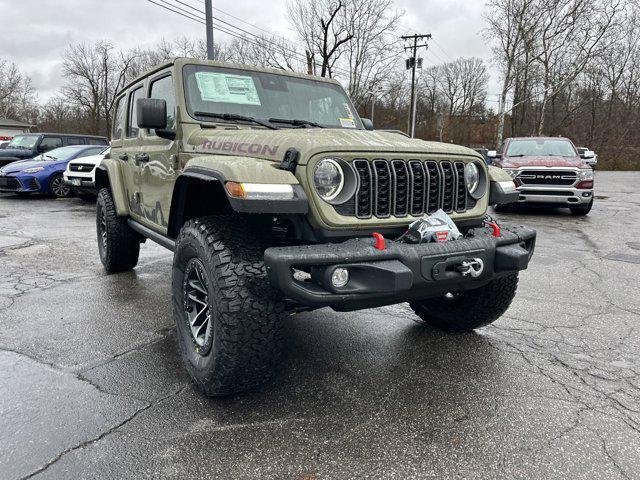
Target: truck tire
x,y
470,309
118,244
227,314
581,211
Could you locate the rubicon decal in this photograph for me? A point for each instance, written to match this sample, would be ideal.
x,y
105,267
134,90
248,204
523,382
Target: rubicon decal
x,y
240,147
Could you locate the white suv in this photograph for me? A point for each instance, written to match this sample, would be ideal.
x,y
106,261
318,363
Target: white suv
x,y
81,175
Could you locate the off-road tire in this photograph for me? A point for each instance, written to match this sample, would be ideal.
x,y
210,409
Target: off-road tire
x,y
120,248
246,312
470,309
581,211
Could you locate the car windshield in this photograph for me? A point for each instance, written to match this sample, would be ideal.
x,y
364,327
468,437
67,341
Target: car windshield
x,y
541,148
266,97
62,153
23,141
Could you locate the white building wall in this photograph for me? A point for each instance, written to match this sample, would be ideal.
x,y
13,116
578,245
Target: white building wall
x,y
11,131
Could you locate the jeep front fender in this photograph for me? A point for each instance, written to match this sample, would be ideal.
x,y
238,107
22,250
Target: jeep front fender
x,y
109,175
503,189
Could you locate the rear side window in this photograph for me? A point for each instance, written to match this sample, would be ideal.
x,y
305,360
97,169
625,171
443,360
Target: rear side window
x,y
163,89
132,130
96,141
73,141
118,119
49,143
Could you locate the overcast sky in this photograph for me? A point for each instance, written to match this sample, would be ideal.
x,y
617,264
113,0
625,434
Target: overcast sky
x,y
34,33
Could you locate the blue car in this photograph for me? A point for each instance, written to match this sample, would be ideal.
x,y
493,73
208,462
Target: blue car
x,y
43,174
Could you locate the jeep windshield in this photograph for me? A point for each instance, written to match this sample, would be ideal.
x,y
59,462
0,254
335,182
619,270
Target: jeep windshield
x,y
23,141
281,100
541,148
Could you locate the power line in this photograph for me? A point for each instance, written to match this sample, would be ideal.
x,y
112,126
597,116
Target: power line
x,y
183,12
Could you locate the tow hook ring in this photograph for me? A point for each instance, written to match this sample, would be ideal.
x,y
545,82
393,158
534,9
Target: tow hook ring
x,y
471,268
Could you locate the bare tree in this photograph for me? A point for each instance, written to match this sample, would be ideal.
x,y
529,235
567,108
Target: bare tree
x,y
18,99
265,51
94,75
321,26
374,48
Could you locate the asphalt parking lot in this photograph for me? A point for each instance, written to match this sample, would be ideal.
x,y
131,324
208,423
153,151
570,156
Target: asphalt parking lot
x,y
91,385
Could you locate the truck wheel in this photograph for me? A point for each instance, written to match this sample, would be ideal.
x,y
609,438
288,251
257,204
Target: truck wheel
x,y
228,316
581,211
470,309
118,244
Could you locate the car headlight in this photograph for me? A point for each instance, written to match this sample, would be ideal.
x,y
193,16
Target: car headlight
x,y
471,177
585,174
512,173
33,170
328,179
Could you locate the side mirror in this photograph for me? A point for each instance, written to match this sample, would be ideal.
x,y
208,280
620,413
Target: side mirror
x,y
152,113
368,124
492,154
41,149
588,154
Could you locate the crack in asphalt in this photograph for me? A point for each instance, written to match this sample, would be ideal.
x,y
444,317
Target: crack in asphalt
x,y
104,434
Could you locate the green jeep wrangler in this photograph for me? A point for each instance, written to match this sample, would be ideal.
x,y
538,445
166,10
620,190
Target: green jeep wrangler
x,y
276,198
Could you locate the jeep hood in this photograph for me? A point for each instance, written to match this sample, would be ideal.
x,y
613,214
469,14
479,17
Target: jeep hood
x,y
272,144
534,161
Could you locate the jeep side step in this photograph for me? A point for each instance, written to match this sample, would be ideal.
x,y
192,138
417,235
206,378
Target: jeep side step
x,y
146,232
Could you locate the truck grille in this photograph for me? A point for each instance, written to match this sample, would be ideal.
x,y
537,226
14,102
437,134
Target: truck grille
x,y
547,177
400,188
10,183
81,167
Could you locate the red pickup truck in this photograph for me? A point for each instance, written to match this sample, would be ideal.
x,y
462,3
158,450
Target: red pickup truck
x,y
547,171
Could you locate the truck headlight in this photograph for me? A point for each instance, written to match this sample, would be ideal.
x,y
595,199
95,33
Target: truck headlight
x,y
585,174
512,173
328,179
33,170
471,177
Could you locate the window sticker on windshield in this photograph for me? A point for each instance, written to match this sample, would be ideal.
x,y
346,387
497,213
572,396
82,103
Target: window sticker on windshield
x,y
227,88
347,109
348,123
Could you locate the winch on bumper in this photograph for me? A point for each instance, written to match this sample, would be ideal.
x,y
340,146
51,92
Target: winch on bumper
x,y
401,272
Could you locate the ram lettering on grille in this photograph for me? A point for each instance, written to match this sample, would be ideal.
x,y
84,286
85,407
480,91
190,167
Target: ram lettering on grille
x,y
400,188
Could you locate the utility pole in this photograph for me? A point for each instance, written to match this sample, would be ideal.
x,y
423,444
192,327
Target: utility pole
x,y
208,11
412,63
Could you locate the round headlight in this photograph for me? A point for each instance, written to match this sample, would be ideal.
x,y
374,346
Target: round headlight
x,y
471,177
328,178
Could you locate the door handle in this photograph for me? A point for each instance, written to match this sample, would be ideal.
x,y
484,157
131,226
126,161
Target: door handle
x,y
142,157
123,157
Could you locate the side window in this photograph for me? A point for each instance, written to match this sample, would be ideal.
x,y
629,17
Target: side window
x,y
118,119
72,141
95,141
132,124
49,143
163,89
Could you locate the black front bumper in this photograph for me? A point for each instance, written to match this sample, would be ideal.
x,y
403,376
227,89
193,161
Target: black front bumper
x,y
400,273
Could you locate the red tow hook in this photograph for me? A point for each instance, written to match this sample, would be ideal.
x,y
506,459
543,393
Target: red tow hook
x,y
380,244
495,227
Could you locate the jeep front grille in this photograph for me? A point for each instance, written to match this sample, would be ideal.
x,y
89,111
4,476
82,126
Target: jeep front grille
x,y
400,188
547,177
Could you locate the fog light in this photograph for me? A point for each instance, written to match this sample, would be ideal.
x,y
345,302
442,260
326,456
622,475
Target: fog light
x,y
340,277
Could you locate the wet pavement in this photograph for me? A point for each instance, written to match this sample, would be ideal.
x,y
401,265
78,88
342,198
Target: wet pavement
x,y
91,385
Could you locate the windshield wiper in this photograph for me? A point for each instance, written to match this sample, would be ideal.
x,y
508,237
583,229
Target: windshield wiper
x,y
233,116
297,123
51,157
